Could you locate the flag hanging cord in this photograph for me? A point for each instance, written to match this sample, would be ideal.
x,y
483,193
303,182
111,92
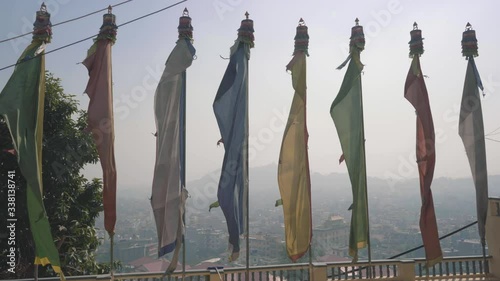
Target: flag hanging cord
x,y
90,37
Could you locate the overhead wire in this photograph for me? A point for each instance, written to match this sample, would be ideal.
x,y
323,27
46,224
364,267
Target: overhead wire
x,y
90,37
492,139
491,133
67,21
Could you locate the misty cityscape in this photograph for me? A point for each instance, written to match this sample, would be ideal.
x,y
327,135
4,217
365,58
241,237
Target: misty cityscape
x,y
394,217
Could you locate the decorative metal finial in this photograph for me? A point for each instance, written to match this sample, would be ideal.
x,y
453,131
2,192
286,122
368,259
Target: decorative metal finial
x,y
416,43
43,8
469,42
185,13
245,32
110,9
301,38
356,21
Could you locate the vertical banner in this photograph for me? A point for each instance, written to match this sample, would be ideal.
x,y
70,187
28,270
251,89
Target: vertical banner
x,y
416,94
293,170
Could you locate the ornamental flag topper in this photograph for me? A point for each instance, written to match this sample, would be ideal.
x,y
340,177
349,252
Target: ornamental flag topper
x,y
416,43
469,42
185,28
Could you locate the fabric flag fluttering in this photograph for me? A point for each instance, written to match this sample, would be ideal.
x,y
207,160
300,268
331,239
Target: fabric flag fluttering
x,y
230,108
293,169
471,128
416,94
22,106
347,114
100,112
168,192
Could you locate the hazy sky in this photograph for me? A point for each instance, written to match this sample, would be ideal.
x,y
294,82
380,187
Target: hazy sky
x,y
143,47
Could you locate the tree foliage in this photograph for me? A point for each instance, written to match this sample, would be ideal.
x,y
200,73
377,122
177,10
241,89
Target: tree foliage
x,y
71,201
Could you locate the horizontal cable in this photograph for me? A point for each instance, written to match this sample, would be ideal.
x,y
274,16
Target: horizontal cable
x,y
67,21
90,37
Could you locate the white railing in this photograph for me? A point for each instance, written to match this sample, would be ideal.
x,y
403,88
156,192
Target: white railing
x,y
378,269
450,268
463,267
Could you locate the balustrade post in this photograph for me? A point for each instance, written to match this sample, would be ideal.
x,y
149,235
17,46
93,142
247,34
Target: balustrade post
x,y
492,237
216,275
406,270
319,272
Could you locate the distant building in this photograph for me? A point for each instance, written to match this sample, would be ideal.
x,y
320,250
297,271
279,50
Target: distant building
x,y
211,239
332,237
468,247
266,245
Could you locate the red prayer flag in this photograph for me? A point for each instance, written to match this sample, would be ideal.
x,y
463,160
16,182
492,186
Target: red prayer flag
x,y
416,94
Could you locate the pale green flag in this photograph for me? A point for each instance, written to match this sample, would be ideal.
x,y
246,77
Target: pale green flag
x,y
347,114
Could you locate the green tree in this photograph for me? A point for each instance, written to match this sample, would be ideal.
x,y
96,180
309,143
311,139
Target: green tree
x,y
71,201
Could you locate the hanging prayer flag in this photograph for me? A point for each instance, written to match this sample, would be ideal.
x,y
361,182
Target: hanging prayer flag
x,y
168,193
416,94
22,106
471,128
100,113
231,111
347,114
293,169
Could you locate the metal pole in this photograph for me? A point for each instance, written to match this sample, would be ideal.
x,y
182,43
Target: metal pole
x,y
36,272
366,197
246,180
111,265
183,99
485,262
311,273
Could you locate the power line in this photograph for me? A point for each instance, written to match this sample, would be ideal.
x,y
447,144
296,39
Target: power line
x,y
490,133
493,140
90,37
67,21
150,14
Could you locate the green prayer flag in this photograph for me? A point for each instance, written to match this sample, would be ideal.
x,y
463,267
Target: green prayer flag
x,y
347,114
22,106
